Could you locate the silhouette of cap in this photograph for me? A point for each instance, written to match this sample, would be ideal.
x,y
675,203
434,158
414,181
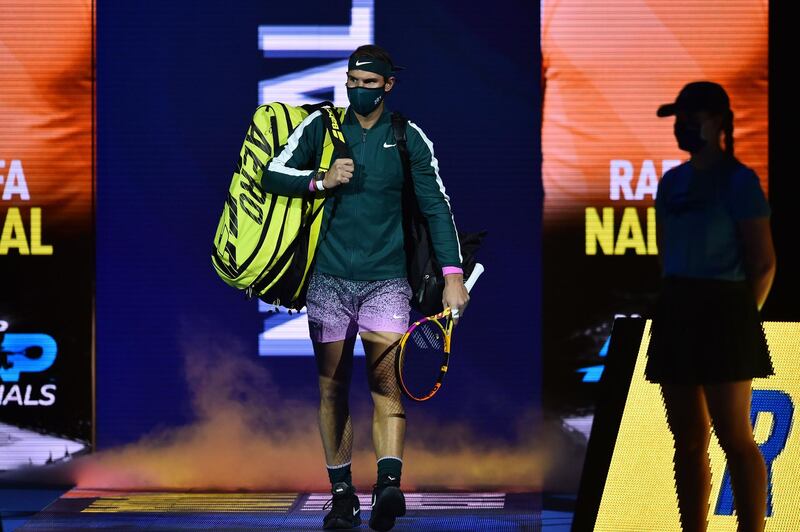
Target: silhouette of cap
x,y
698,96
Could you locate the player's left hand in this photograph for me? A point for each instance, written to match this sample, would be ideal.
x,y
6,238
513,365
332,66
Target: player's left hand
x,y
455,295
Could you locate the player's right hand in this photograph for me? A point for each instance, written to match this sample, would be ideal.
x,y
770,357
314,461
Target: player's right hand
x,y
340,172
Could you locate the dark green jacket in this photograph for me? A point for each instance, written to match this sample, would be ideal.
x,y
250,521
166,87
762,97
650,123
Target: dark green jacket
x,y
362,235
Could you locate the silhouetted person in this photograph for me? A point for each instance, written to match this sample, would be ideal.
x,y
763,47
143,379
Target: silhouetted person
x,y
707,342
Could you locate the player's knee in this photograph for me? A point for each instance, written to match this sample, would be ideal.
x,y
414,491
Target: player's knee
x,y
384,387
333,391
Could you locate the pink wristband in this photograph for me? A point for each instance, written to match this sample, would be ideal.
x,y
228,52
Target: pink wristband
x,y
450,270
311,185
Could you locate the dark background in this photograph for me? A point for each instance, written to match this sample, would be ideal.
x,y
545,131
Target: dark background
x,y
783,303
52,295
177,85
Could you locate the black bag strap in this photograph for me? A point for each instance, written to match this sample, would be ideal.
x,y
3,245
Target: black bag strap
x,y
333,124
399,124
413,214
311,107
411,208
420,254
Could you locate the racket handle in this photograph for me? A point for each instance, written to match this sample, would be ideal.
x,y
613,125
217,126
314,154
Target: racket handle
x,y
473,278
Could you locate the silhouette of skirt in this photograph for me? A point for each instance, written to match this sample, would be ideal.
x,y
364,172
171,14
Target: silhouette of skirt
x,y
706,331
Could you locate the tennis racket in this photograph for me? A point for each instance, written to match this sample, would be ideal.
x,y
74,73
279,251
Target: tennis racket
x,y
425,350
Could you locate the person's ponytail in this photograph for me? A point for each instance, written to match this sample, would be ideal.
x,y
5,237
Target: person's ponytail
x,y
728,129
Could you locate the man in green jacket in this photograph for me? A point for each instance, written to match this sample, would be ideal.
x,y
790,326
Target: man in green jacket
x,y
359,281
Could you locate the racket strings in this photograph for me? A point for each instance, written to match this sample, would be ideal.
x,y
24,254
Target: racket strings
x,y
428,336
422,358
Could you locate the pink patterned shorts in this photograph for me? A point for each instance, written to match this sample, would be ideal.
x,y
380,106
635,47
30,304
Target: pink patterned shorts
x,y
339,308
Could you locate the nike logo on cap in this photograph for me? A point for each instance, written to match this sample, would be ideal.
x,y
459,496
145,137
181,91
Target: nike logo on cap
x,y
391,478
359,63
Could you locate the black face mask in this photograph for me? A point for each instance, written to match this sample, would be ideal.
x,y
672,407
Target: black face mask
x,y
689,138
364,100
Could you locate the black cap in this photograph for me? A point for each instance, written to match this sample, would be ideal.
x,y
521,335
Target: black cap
x,y
698,96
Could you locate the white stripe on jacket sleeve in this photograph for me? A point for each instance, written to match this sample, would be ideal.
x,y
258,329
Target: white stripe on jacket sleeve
x,y
278,164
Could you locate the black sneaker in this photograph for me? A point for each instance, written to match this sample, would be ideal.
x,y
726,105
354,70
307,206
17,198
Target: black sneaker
x,y
345,509
388,503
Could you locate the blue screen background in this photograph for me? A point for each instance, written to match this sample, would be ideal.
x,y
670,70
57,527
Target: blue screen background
x,y
177,85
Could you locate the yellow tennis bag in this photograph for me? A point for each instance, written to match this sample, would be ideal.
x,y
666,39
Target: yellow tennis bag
x,y
265,243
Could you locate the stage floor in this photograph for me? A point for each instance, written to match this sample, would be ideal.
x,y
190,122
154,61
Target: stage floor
x,y
443,511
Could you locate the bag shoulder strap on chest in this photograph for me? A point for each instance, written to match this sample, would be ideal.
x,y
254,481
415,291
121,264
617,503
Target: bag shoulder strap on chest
x,y
399,126
422,268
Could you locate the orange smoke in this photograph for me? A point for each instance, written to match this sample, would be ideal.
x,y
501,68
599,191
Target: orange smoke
x,y
246,437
